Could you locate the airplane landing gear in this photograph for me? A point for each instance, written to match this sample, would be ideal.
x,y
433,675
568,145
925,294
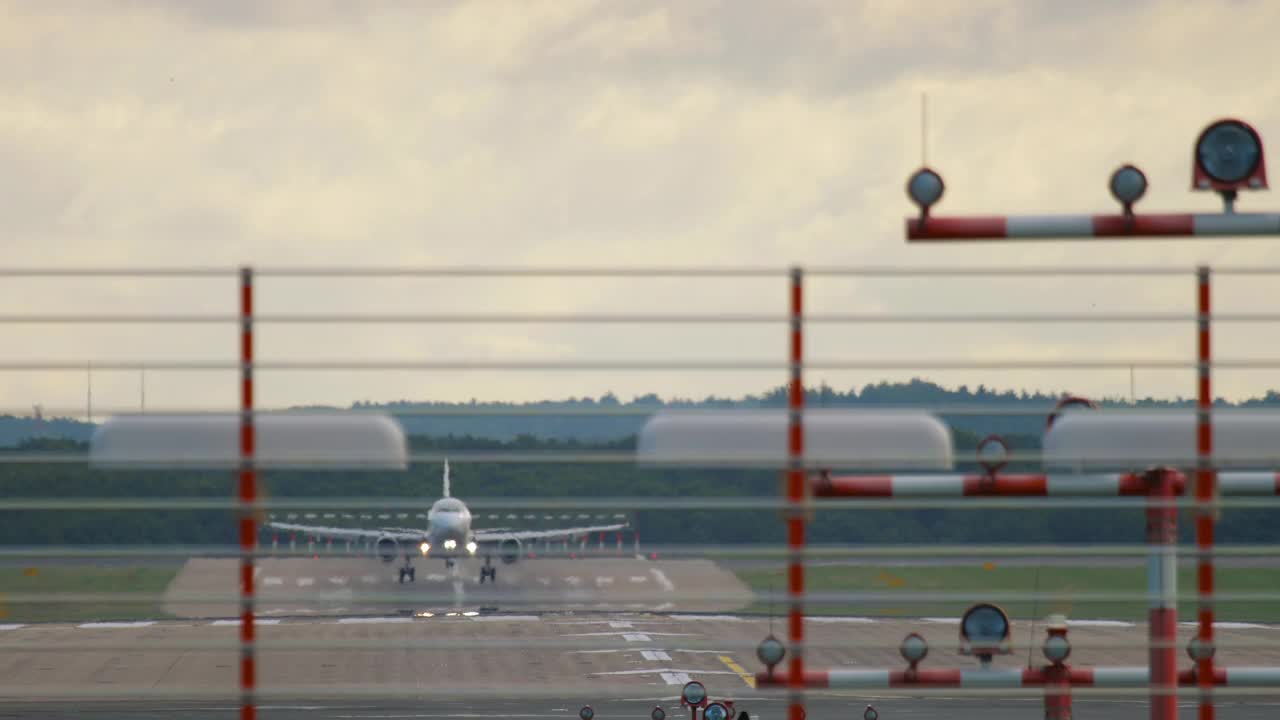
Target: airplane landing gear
x,y
488,571
406,572
448,563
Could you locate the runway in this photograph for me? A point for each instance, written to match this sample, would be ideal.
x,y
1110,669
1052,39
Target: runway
x,y
327,585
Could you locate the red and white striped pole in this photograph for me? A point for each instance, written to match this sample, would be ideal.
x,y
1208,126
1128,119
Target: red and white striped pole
x,y
1256,484
248,492
1205,492
1061,227
1162,591
795,497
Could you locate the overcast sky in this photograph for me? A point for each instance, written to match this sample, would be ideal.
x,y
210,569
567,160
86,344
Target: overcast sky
x,y
566,133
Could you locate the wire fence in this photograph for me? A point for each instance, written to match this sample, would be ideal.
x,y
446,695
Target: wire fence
x,y
174,563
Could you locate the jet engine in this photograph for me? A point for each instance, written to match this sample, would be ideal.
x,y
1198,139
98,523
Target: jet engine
x,y
509,550
387,549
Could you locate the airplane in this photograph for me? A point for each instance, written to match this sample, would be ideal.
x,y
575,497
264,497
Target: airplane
x,y
448,535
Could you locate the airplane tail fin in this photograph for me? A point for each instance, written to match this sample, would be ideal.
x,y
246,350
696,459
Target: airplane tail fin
x,y
446,477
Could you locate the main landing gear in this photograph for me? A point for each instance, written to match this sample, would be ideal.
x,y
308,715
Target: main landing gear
x,y
406,572
488,571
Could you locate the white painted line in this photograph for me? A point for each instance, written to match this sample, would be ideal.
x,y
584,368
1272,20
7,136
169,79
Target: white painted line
x,y
306,582
573,580
620,624
506,618
133,624
662,579
655,655
636,637
372,620
338,580
857,620
728,618
369,579
10,627
676,678
273,581
639,579
651,671
236,622
941,620
1230,625
664,607
1100,623
603,581
437,577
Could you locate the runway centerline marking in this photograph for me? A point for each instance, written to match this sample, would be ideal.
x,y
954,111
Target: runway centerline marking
x,y
306,582
639,579
372,620
236,622
620,624
603,581
129,624
369,579
338,580
739,670
11,627
655,655
273,581
636,637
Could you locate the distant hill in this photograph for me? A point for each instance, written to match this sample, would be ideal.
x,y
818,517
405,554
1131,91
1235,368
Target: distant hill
x,y
981,411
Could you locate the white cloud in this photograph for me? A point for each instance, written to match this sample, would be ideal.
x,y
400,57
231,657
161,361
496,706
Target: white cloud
x,y
581,133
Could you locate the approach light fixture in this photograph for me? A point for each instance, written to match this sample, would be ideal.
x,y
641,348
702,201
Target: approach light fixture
x,y
870,713
771,651
716,711
914,648
1128,185
1198,651
984,631
925,188
1056,648
993,454
1229,157
657,713
586,713
694,693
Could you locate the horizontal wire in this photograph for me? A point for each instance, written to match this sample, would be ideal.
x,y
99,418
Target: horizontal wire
x,y
619,318
724,364
704,503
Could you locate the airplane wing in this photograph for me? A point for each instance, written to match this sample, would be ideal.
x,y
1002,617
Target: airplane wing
x,y
491,536
405,534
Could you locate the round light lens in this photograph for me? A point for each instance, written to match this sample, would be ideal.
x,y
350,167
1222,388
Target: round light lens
x,y
658,714
914,648
694,693
472,547
716,711
425,548
985,625
1195,652
870,714
1128,184
1056,648
450,544
1229,151
993,453
771,651
925,187
586,713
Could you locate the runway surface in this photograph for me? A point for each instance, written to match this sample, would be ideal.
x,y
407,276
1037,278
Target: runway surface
x,y
355,585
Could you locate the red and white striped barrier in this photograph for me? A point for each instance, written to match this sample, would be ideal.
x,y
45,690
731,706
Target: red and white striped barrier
x,y
1051,485
1136,677
1152,225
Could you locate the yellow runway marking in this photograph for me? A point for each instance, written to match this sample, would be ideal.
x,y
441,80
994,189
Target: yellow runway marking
x,y
747,677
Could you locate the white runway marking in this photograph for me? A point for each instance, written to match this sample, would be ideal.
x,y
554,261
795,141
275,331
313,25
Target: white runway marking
x,y
677,678
436,577
338,580
573,580
506,618
942,620
1109,623
603,581
372,620
620,624
655,655
236,622
369,579
544,581
662,579
306,582
133,624
664,607
1228,625
273,581
10,627
636,637
639,579
858,620
730,618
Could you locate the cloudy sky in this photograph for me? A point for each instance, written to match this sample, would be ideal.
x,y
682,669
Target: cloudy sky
x,y
573,132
